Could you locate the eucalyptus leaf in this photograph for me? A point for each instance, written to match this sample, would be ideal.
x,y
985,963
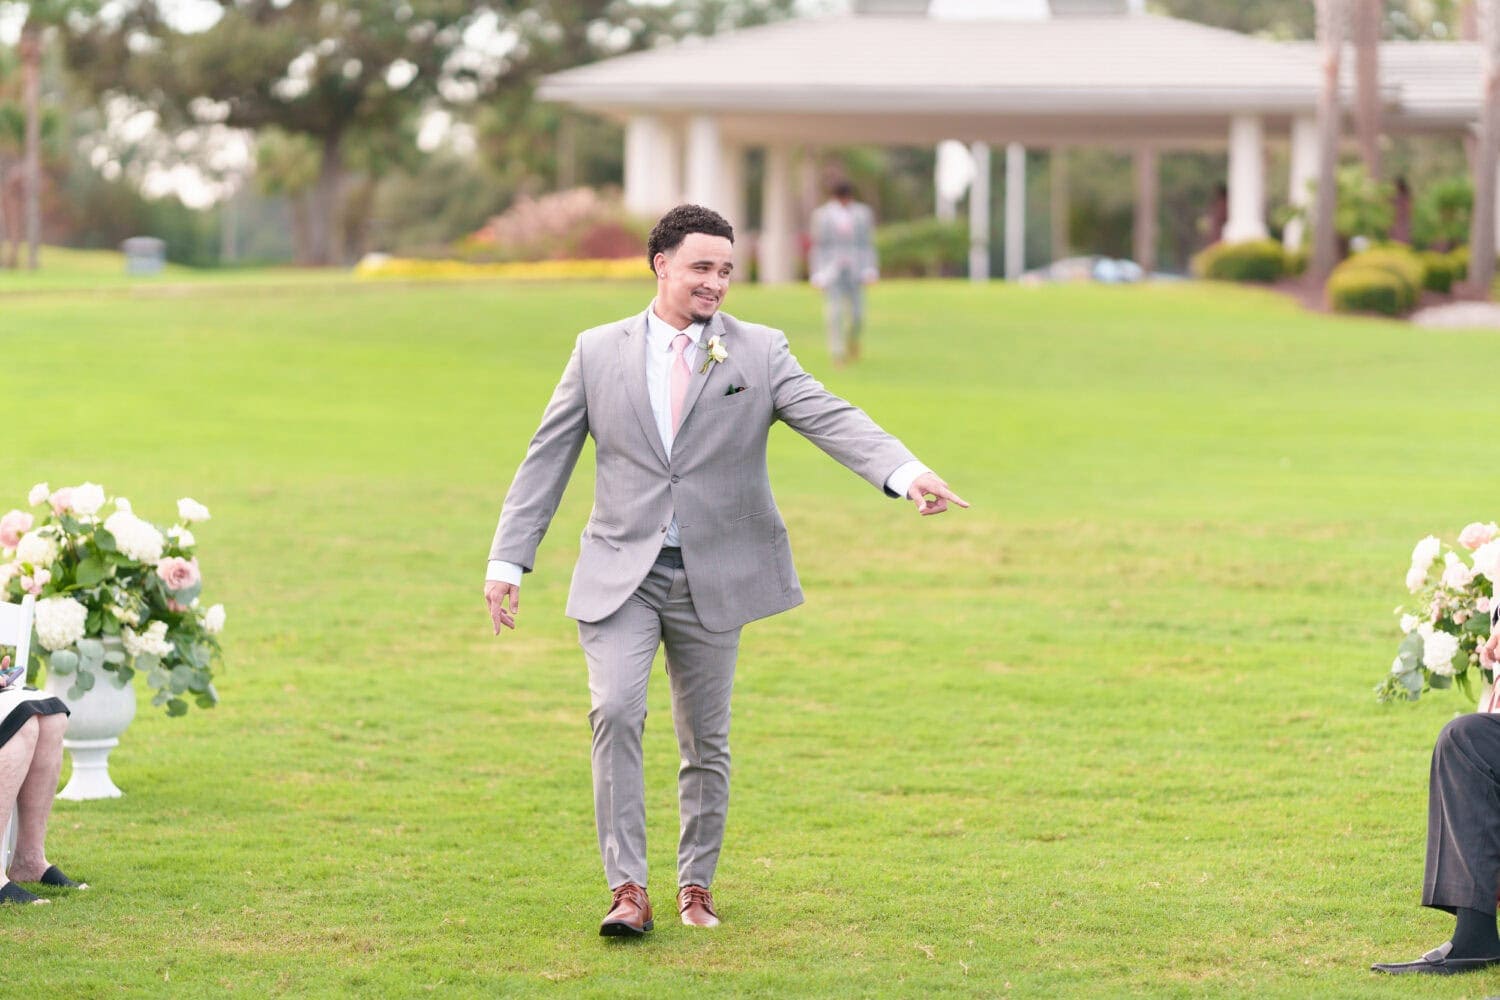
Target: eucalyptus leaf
x,y
62,662
90,572
1439,682
188,594
90,653
125,673
147,661
158,678
75,692
114,657
84,681
159,699
1412,681
1410,651
177,707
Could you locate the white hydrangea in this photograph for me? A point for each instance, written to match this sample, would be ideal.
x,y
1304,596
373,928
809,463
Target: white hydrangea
x,y
59,622
123,614
87,499
37,547
39,494
182,536
135,538
1438,651
191,510
1487,560
213,620
153,640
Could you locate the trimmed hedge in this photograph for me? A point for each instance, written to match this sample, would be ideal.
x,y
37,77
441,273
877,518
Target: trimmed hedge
x,y
926,248
1361,288
1403,262
1439,267
1295,264
1257,260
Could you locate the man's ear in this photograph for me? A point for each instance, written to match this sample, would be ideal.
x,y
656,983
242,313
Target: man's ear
x,y
659,265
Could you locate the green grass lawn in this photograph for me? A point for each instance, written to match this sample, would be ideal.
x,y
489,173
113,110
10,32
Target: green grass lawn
x,y
1108,733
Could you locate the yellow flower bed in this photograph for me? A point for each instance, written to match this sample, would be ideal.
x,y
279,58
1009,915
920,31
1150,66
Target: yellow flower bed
x,y
376,266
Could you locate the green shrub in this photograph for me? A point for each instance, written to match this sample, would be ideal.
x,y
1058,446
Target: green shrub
x,y
1458,263
1400,261
1439,267
1357,288
1256,260
1294,264
1440,218
925,248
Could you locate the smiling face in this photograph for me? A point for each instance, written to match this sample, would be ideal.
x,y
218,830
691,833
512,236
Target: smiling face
x,y
693,278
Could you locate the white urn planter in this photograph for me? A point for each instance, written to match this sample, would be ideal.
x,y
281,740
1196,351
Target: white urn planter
x,y
97,721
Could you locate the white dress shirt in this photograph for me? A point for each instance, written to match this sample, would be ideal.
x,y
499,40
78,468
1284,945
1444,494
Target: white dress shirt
x,y
659,337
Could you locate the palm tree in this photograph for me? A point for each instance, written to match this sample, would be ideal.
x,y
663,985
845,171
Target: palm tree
x,y
1368,15
1332,15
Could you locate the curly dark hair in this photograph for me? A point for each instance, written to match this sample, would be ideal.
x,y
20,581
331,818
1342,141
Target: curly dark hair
x,y
671,229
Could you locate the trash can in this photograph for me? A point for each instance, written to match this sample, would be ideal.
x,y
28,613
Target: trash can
x,y
144,254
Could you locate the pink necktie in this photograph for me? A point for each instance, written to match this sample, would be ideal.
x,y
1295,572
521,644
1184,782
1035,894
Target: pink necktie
x,y
681,375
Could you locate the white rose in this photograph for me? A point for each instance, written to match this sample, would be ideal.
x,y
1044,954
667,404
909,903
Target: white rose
x,y
213,620
1487,560
1415,577
87,499
59,622
39,494
1456,575
1438,651
1408,622
37,548
182,536
153,640
122,504
191,510
137,539
1425,552
8,572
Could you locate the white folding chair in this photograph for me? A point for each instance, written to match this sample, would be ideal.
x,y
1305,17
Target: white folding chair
x,y
15,630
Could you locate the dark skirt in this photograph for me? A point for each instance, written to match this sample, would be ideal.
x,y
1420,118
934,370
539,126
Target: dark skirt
x,y
17,704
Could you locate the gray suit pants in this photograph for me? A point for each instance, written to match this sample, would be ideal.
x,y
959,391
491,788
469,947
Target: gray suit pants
x,y
1463,816
844,308
700,667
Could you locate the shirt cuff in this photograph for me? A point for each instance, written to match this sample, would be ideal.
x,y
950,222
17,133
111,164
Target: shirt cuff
x,y
503,572
900,481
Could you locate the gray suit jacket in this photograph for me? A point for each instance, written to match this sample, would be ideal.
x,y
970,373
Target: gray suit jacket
x,y
843,256
734,543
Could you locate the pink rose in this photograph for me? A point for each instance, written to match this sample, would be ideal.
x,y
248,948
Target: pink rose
x,y
61,500
1482,605
178,573
1476,534
175,607
12,526
34,583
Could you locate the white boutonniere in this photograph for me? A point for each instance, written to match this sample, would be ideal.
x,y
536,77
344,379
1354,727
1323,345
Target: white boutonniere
x,y
716,353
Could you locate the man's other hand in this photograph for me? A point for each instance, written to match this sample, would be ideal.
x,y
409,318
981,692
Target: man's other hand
x,y
504,600
932,495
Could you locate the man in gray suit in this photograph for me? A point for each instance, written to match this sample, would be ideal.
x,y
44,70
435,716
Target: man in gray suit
x,y
684,544
842,262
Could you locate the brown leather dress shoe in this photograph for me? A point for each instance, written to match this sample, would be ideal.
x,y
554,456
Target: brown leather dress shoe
x,y
630,913
696,904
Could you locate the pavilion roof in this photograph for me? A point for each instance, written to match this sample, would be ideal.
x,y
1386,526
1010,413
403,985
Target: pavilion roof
x,y
1139,64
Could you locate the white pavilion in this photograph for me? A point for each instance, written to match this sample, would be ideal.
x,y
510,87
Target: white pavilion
x,y
1018,74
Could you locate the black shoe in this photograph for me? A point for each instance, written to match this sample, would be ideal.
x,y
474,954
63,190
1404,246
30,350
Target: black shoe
x,y
1435,963
54,877
12,893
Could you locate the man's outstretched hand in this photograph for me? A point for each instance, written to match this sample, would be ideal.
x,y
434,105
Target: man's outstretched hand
x,y
504,600
932,495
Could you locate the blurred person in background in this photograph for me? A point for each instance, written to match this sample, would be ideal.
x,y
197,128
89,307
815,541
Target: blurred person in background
x,y
842,262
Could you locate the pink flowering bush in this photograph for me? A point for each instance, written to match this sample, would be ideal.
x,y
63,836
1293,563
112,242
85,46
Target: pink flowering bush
x,y
566,225
1447,622
114,593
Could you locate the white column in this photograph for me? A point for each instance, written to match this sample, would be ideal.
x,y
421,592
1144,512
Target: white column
x,y
642,147
777,248
705,180
1015,210
653,165
1247,180
1303,177
979,214
732,197
945,202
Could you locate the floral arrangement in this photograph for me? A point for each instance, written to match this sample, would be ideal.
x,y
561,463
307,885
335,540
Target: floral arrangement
x,y
114,593
1447,625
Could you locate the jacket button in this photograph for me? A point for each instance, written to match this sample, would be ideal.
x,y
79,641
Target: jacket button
x,y
676,479
664,529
